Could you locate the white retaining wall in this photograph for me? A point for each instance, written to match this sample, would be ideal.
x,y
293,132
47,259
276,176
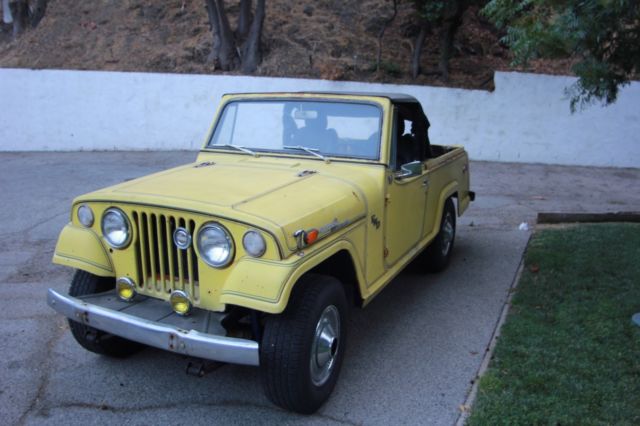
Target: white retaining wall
x,y
526,119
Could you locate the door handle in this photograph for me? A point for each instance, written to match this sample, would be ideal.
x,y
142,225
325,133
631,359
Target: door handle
x,y
425,183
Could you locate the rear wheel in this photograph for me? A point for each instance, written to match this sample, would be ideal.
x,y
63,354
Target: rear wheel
x,y
84,283
438,254
302,349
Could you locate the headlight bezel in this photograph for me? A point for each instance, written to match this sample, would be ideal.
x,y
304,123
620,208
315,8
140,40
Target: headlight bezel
x,y
127,223
259,253
227,235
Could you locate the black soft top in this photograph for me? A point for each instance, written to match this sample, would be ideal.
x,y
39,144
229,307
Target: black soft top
x,y
394,97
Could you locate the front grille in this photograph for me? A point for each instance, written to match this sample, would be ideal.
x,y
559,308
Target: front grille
x,y
162,266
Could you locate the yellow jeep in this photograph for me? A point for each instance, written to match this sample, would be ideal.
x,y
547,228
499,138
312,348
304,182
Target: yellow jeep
x,y
299,206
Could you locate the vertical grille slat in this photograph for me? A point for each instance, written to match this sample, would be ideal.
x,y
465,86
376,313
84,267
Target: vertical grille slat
x,y
153,252
180,261
171,250
162,256
194,261
144,249
189,255
140,276
162,266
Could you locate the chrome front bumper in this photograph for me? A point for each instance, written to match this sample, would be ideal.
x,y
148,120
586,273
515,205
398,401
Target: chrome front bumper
x,y
153,323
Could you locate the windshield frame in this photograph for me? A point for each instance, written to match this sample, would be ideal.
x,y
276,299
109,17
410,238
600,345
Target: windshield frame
x,y
209,147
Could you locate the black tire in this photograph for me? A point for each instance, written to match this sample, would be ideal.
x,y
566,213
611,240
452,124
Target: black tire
x,y
438,254
91,339
292,379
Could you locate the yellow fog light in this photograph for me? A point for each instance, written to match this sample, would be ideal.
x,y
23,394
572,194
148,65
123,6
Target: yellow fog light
x,y
180,302
126,289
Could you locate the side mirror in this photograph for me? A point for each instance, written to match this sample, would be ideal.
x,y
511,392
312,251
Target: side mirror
x,y
408,170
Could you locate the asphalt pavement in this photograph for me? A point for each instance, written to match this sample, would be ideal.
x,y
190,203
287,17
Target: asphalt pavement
x,y
412,354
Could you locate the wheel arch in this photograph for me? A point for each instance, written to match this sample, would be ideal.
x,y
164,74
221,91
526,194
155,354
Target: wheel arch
x,y
449,191
342,267
338,261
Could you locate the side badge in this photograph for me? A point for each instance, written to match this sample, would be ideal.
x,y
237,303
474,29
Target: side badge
x,y
375,221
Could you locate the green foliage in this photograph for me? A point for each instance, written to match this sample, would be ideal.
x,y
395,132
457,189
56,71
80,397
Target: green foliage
x,y
604,36
431,11
568,353
391,68
434,12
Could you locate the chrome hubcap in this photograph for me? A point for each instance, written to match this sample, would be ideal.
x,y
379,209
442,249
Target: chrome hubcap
x,y
324,349
447,233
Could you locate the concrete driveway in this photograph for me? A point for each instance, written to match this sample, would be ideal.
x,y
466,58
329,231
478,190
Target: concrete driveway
x,y
412,356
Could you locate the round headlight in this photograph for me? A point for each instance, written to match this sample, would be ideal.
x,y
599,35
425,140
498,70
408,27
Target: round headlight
x,y
85,215
253,243
115,228
215,245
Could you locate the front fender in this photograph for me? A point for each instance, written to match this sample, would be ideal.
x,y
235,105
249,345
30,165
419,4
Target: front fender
x,y
266,285
81,248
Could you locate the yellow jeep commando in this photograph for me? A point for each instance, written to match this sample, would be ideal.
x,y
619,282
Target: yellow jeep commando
x,y
298,207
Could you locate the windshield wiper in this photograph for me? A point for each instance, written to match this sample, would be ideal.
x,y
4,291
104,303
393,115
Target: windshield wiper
x,y
240,148
312,151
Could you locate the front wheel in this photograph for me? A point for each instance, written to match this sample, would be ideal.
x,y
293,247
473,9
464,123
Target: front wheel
x,y
82,284
438,254
302,349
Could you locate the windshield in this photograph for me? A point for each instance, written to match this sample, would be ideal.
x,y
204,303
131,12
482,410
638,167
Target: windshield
x,y
313,128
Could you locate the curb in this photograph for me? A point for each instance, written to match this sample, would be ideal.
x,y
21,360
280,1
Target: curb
x,y
471,397
556,218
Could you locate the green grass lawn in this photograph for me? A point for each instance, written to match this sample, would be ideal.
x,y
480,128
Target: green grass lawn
x,y
568,352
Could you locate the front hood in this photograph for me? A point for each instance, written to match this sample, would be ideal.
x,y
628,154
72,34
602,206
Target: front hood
x,y
223,185
281,197
318,201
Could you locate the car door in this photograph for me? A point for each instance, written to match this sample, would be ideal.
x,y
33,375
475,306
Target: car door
x,y
405,197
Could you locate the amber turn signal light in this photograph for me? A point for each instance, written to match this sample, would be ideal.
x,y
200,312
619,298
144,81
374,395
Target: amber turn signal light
x,y
311,236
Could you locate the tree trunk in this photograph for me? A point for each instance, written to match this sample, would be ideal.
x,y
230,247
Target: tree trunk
x,y
20,13
37,12
228,55
248,33
251,54
417,50
244,19
451,23
7,18
212,11
24,14
382,31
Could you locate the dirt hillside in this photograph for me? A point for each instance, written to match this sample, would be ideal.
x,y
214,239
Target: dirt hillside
x,y
328,39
